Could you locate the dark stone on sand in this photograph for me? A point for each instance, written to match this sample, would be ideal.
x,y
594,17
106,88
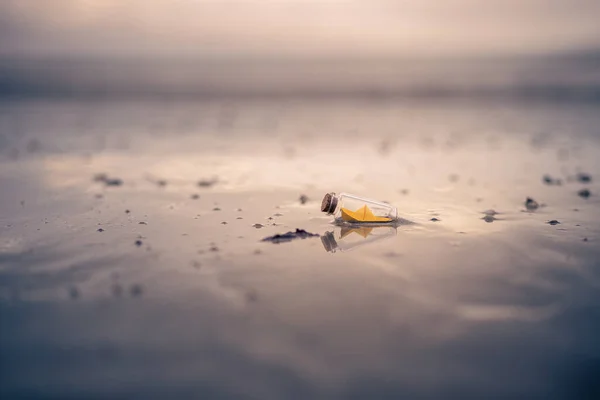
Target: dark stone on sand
x,y
142,223
100,230
127,211
553,222
195,196
103,178
138,243
224,223
404,191
289,236
240,218
585,239
205,183
585,193
258,226
548,180
434,219
531,204
161,183
303,199
214,249
113,182
489,218
583,177
216,209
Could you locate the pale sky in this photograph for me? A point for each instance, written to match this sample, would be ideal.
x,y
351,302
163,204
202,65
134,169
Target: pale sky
x,y
297,27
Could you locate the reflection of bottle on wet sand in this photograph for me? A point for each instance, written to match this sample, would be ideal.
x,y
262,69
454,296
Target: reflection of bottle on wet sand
x,y
350,208
348,237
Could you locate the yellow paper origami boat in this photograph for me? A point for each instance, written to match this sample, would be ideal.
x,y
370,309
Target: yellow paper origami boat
x,y
363,214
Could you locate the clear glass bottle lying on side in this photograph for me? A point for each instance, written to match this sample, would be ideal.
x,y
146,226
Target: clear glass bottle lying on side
x,y
355,209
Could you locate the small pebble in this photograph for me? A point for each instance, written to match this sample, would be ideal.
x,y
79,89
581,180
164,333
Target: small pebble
x,y
127,211
240,218
138,243
489,218
553,222
584,193
142,223
195,196
531,204
100,230
303,199
103,178
585,239
224,223
216,209
258,226
207,182
434,219
548,180
583,177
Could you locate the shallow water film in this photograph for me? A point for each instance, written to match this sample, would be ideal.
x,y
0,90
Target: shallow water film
x,y
133,265
163,165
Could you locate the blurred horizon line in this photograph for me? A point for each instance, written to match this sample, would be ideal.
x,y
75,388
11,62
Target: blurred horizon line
x,y
569,75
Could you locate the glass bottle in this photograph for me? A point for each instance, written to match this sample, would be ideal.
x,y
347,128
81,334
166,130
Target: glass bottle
x,y
350,208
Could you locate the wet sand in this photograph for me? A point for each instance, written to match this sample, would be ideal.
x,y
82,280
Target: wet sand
x,y
154,281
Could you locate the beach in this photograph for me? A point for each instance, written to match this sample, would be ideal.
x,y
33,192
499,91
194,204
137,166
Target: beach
x,y
132,252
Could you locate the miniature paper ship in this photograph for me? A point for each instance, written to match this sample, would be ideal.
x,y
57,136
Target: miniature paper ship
x,y
363,214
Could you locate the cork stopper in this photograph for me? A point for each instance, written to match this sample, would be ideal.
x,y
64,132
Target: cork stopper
x,y
329,203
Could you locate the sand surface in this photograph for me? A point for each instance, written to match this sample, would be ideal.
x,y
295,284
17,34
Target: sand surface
x,y
161,287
